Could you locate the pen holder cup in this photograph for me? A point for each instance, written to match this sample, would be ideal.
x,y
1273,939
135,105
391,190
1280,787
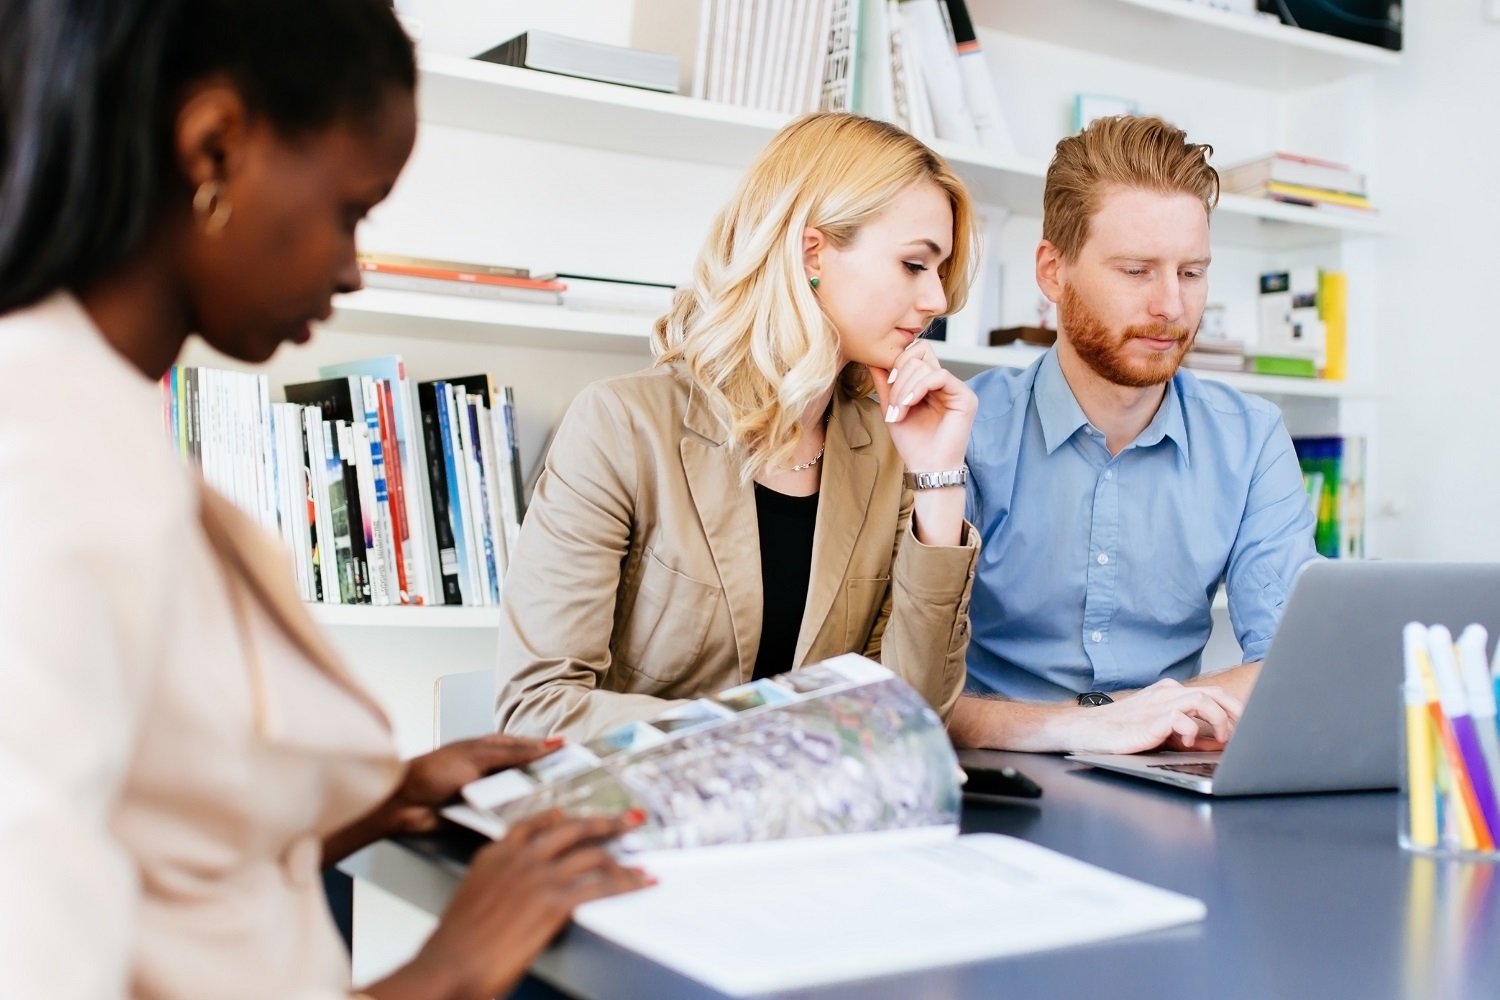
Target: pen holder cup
x,y
1442,808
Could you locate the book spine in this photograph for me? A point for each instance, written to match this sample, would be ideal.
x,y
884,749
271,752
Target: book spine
x,y
479,493
369,511
358,565
510,516
939,68
473,549
512,446
978,88
446,567
384,523
390,449
317,498
410,436
496,478
446,423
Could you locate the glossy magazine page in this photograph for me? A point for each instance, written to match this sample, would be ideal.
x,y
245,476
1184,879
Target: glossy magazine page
x,y
842,746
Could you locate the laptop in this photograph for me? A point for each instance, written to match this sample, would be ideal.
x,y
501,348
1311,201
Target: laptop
x,y
1325,712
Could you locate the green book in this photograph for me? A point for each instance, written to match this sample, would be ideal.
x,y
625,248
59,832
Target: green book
x,y
1270,364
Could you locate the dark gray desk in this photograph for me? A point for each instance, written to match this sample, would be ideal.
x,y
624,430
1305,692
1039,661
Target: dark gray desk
x,y
1308,896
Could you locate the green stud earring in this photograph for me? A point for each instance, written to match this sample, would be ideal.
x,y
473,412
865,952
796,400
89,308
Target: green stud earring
x,y
813,282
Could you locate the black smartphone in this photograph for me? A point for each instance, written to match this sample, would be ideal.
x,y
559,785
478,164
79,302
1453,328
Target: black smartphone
x,y
999,779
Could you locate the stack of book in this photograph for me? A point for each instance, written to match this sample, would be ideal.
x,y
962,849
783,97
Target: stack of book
x,y
1300,180
916,63
1215,354
384,492
1333,471
452,277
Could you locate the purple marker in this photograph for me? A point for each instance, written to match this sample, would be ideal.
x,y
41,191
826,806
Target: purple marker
x,y
1455,705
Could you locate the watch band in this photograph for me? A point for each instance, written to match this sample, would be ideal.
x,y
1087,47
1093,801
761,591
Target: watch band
x,y
1094,698
937,480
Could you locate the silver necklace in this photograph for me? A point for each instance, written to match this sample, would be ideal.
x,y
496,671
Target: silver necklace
x,y
813,461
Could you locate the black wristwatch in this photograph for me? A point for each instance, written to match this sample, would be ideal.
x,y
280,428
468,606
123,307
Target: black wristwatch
x,y
1095,698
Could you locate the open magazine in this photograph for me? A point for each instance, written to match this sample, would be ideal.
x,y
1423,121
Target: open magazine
x,y
804,830
842,746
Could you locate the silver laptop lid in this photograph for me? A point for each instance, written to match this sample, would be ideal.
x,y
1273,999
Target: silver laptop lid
x,y
1325,712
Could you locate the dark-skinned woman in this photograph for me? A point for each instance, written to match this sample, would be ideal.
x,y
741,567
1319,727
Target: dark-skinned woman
x,y
180,751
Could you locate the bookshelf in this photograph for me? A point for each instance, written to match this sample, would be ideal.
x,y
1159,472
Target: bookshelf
x,y
504,100
447,317
1188,37
365,616
486,321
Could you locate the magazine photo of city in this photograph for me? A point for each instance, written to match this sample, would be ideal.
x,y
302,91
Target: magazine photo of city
x,y
842,746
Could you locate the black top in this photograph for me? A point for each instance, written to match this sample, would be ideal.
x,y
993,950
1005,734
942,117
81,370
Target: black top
x,y
786,543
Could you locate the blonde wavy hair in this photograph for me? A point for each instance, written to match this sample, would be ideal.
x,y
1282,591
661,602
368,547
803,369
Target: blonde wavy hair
x,y
749,333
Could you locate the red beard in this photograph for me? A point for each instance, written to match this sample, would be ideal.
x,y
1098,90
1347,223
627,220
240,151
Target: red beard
x,y
1104,350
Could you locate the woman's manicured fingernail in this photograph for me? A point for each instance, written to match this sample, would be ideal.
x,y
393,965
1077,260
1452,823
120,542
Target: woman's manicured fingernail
x,y
554,741
635,817
891,377
890,413
909,397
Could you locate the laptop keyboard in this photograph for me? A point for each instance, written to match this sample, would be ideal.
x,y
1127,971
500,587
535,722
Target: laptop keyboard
x,y
1198,770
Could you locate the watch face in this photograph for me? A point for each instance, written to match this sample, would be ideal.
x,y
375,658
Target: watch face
x,y
1095,698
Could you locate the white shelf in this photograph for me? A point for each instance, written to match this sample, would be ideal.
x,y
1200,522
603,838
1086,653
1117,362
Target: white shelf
x,y
454,317
966,362
489,321
365,616
506,100
1187,37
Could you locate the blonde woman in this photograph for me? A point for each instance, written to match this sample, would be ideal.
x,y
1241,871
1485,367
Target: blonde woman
x,y
742,507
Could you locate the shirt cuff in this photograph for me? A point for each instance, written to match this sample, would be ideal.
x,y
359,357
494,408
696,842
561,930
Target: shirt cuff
x,y
937,572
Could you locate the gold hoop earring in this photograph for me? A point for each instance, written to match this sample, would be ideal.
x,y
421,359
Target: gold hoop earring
x,y
211,207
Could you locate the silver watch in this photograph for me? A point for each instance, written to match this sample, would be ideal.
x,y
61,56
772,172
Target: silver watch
x,y
937,480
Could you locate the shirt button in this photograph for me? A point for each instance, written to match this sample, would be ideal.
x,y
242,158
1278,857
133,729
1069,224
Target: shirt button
x,y
1104,559
1109,473
1097,637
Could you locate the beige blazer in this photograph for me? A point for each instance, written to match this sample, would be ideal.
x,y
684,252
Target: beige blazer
x,y
176,738
637,578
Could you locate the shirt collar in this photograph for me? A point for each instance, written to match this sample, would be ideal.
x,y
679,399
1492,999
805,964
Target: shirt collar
x,y
1056,405
1061,416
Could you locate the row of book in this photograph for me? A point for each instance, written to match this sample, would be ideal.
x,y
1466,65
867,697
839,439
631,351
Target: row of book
x,y
1333,472
384,492
916,63
513,284
1300,180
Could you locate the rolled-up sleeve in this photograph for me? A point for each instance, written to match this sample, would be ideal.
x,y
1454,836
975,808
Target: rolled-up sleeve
x,y
922,632
1275,541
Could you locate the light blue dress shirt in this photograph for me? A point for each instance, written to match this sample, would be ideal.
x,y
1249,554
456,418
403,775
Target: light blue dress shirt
x,y
1097,573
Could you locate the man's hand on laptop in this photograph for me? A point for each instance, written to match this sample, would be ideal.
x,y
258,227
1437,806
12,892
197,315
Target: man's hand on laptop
x,y
1165,716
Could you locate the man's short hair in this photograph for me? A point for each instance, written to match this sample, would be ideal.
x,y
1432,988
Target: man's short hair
x,y
1124,151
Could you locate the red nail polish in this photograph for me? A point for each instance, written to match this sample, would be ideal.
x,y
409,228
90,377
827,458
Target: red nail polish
x,y
635,817
554,741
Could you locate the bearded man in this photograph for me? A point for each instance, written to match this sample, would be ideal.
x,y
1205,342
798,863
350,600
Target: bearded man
x,y
1112,491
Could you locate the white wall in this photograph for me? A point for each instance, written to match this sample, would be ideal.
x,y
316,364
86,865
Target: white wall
x,y
1438,138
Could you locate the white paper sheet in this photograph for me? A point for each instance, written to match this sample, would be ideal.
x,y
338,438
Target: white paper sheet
x,y
766,917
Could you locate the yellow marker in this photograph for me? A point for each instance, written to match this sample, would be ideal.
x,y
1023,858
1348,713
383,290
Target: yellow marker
x,y
1420,774
1419,778
1459,800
